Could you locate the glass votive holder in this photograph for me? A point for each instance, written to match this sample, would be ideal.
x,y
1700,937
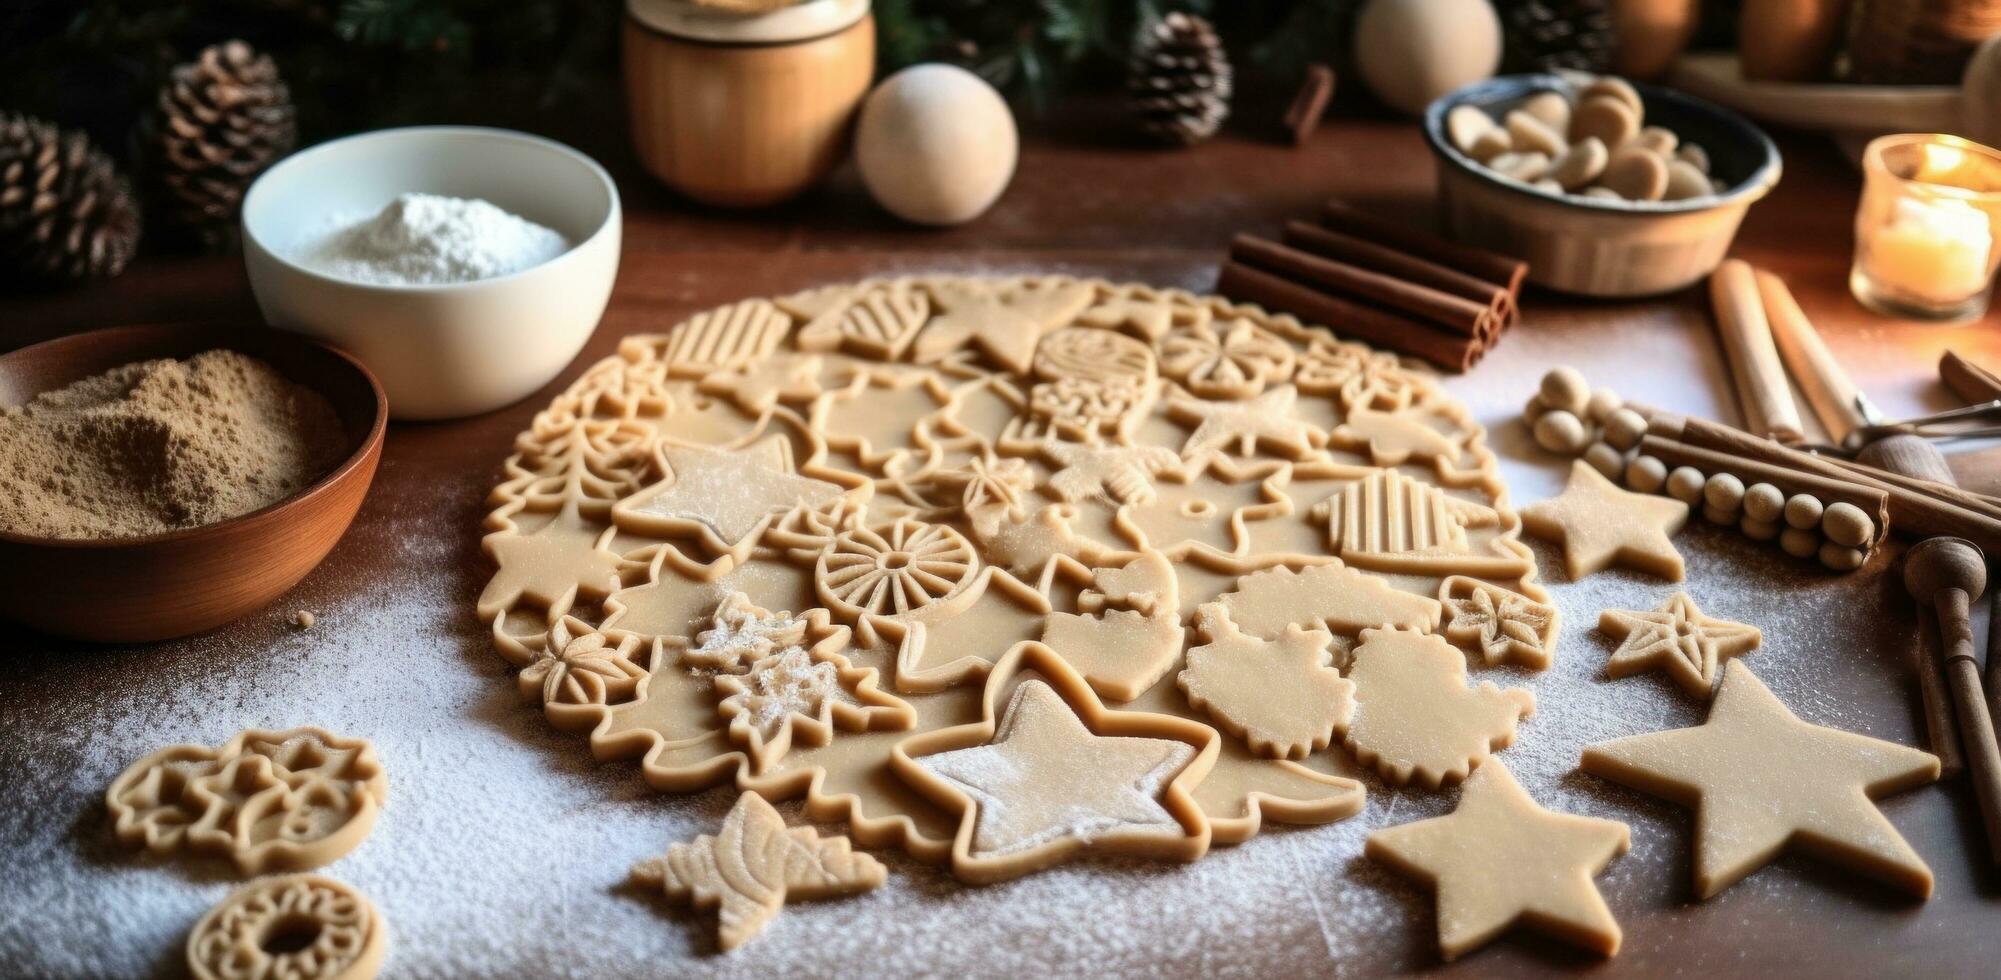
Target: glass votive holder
x,y
1928,226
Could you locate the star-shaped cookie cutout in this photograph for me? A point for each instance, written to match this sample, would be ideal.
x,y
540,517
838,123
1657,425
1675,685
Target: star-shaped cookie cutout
x,y
1499,860
758,386
1057,774
1004,320
1599,525
724,496
1676,638
1762,781
1242,427
549,566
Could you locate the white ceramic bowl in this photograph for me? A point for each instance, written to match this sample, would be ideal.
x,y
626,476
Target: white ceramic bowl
x,y
448,350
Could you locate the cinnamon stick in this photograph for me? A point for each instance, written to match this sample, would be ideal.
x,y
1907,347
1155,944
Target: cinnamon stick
x,y
1359,321
1456,314
1330,244
1873,501
1508,272
1309,104
1912,512
1876,475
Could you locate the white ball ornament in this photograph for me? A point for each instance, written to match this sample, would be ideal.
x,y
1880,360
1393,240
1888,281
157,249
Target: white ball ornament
x,y
935,145
1410,52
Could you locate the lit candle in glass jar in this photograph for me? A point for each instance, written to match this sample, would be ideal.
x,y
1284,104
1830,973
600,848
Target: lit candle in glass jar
x,y
1925,231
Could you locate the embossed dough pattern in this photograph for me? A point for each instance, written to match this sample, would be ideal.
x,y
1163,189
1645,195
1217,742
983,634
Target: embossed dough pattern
x,y
1012,495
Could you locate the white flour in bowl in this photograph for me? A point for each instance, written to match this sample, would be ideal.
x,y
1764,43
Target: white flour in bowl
x,y
421,239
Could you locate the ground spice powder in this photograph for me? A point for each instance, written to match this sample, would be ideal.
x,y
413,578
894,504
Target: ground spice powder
x,y
161,445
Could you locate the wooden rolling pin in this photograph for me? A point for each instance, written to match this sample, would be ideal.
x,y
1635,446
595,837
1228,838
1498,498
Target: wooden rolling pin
x,y
1760,379
1946,575
1835,400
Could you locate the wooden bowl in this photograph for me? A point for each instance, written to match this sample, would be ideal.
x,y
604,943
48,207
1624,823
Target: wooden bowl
x,y
1592,247
131,590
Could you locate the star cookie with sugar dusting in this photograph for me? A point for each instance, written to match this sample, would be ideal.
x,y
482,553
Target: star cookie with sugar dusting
x,y
1600,525
1762,782
1057,773
1676,638
1499,860
1267,420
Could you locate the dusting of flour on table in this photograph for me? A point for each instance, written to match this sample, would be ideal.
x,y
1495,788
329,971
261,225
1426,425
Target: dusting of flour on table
x,y
503,846
426,239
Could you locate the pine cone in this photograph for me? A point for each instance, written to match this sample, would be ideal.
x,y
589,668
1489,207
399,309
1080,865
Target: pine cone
x,y
1548,35
1179,80
65,212
223,118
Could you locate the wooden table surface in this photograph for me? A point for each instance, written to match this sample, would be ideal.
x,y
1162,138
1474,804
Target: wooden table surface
x,y
1084,205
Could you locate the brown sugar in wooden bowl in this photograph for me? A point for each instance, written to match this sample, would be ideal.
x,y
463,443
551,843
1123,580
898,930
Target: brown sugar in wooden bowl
x,y
139,589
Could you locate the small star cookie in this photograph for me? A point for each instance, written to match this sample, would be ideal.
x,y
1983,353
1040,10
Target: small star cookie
x,y
1600,525
1676,638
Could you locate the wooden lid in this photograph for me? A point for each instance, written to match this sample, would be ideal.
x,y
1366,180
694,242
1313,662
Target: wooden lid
x,y
802,21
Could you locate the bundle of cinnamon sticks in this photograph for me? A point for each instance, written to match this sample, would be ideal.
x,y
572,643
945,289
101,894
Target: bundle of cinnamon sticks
x,y
1380,282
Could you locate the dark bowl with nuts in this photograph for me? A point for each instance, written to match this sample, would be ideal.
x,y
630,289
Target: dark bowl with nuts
x,y
1606,188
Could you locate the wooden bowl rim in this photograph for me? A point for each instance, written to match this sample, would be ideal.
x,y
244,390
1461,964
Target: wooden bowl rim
x,y
368,446
1743,194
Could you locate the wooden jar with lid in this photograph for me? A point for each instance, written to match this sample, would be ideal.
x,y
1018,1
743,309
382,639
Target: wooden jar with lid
x,y
745,110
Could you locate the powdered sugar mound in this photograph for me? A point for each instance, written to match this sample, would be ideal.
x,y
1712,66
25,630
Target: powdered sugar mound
x,y
421,239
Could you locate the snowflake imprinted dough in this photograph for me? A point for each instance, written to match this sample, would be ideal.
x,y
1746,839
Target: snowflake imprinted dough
x,y
1676,638
1416,719
1283,696
751,866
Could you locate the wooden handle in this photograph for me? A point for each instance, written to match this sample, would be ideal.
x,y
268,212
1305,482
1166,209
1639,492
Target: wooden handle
x,y
1829,392
1968,380
1941,731
1983,756
1760,379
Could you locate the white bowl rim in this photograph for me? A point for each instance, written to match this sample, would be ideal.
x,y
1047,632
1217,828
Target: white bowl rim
x,y
613,214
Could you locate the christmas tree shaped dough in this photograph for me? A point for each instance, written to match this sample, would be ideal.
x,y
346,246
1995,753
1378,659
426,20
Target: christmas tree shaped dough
x,y
752,865
1762,781
1416,720
1676,638
1600,525
1499,860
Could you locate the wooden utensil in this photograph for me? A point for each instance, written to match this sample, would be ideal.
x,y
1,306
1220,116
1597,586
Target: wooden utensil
x,y
1760,379
1968,380
1946,575
1914,457
131,590
1833,397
